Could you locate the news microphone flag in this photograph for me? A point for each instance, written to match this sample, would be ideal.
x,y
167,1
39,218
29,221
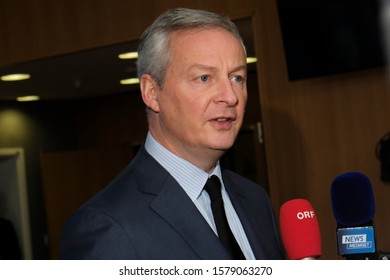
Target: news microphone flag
x,y
352,199
353,207
300,230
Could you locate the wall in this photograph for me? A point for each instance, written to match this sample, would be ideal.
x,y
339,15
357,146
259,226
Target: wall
x,y
314,129
39,29
118,120
37,128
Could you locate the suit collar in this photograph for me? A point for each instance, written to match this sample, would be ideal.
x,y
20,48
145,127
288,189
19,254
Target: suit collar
x,y
173,205
242,206
177,209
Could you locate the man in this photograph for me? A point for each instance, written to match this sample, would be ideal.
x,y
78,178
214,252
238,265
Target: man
x,y
192,70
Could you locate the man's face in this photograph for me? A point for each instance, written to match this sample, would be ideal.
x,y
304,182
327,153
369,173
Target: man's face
x,y
201,104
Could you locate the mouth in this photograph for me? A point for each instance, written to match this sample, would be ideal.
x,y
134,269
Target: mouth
x,y
224,122
223,119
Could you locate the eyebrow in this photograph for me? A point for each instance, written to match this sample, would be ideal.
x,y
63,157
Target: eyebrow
x,y
239,68
214,69
202,67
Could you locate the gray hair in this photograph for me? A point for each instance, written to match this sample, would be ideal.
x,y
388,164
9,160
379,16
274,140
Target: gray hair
x,y
153,49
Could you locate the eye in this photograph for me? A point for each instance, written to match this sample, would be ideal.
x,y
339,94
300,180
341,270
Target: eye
x,y
238,79
204,78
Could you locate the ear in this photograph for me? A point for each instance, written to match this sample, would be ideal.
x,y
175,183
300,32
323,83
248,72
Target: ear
x,y
149,92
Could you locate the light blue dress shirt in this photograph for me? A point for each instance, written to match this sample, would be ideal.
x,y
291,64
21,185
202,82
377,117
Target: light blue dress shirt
x,y
192,179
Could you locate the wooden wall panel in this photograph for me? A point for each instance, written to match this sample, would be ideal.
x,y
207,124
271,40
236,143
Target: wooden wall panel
x,y
316,129
70,179
112,121
39,29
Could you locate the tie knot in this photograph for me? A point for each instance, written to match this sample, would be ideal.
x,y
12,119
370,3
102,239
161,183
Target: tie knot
x,y
213,187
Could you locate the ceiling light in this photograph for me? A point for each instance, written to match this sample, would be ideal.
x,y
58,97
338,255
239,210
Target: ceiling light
x,y
15,77
128,55
131,81
251,59
27,98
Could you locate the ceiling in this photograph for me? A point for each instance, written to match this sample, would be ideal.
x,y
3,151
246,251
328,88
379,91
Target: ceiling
x,y
84,74
91,73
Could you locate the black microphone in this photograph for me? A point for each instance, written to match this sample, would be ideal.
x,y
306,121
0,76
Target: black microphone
x,y
353,206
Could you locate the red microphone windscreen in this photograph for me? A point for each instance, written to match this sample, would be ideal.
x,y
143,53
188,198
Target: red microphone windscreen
x,y
300,229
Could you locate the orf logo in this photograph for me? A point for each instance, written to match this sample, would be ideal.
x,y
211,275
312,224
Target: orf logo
x,y
305,215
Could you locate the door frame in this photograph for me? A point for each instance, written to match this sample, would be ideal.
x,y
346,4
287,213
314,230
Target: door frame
x,y
22,225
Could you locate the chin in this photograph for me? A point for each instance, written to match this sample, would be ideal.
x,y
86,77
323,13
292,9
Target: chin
x,y
223,148
221,143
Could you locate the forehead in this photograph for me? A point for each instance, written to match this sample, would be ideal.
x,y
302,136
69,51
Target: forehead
x,y
206,38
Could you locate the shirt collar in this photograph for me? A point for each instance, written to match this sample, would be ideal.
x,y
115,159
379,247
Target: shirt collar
x,y
191,178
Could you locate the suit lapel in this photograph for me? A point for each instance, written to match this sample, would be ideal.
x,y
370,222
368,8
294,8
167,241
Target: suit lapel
x,y
177,209
173,205
241,205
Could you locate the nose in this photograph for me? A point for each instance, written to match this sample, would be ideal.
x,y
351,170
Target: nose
x,y
228,93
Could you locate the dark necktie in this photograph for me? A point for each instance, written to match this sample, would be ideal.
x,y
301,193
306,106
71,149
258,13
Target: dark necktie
x,y
213,188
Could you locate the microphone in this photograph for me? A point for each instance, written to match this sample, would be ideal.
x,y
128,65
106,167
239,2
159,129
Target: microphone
x,y
354,209
300,230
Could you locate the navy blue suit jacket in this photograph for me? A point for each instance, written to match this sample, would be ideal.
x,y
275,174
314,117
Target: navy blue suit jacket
x,y
145,214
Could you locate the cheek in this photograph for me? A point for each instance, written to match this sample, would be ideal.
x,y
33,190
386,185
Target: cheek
x,y
242,103
244,95
244,100
175,110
